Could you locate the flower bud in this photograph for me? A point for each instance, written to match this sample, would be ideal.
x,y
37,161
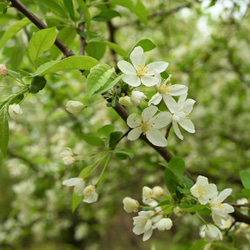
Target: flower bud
x,y
74,106
130,205
125,101
66,152
137,97
147,195
15,111
68,160
3,70
158,191
164,224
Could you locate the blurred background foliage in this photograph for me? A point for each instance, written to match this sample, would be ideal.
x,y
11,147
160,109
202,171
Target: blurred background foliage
x,y
207,46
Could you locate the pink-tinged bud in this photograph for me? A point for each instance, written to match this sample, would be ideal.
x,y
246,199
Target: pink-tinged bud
x,y
3,70
130,205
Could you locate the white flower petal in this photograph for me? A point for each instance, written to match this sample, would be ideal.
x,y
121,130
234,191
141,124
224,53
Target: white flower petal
x,y
177,89
156,99
133,121
72,182
90,194
157,67
126,67
137,56
177,130
132,80
171,104
134,134
147,234
188,125
188,106
149,80
223,195
148,113
157,138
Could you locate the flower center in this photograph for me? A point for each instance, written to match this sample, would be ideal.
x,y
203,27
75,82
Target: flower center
x,y
142,69
201,189
145,127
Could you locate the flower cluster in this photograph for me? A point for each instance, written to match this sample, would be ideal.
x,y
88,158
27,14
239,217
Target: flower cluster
x,y
207,193
89,192
153,218
137,73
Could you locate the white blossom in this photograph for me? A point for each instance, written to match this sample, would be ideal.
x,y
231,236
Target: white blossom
x,y
180,114
130,205
137,97
147,195
149,126
14,111
165,91
164,224
74,107
68,160
90,194
220,211
137,72
203,190
210,233
66,152
78,183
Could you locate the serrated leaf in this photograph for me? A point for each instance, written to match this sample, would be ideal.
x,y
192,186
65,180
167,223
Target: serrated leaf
x,y
117,48
76,199
245,178
139,9
96,49
98,77
41,41
93,140
11,31
146,44
69,63
4,131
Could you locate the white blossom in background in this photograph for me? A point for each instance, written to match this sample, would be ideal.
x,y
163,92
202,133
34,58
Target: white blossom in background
x,y
137,72
203,190
166,90
3,70
74,107
149,126
220,211
137,97
143,224
90,194
14,111
68,160
164,224
210,233
130,205
243,201
125,101
66,152
180,114
76,182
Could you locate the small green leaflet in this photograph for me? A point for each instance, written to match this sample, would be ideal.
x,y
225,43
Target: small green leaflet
x,y
4,130
146,44
245,178
98,77
117,48
11,31
41,41
69,63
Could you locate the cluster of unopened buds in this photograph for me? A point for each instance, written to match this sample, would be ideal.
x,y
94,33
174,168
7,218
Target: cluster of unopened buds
x,y
137,74
154,215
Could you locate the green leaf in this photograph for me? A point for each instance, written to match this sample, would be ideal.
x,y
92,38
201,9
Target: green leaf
x,y
139,9
106,130
171,181
76,199
114,139
98,77
15,74
198,245
192,207
41,41
108,85
117,49
123,154
3,7
146,44
96,49
69,63
106,15
70,8
37,84
86,13
11,31
4,130
245,178
53,6
93,140
177,165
